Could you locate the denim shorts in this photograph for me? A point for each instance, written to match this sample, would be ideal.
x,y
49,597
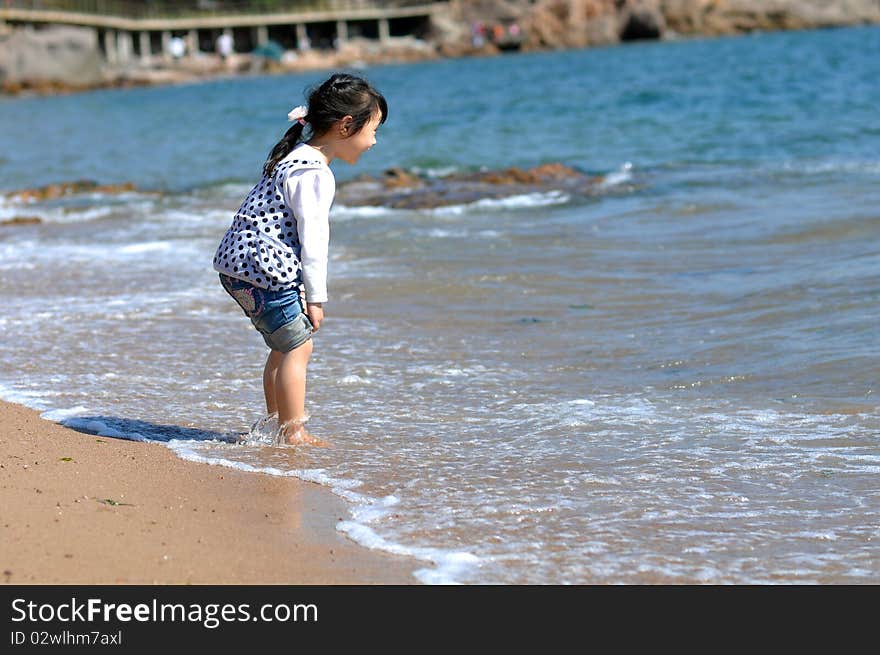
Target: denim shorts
x,y
278,315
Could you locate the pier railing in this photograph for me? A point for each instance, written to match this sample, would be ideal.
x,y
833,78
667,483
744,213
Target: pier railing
x,y
157,9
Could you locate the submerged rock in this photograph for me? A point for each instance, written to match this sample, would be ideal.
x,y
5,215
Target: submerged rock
x,y
61,189
22,220
401,189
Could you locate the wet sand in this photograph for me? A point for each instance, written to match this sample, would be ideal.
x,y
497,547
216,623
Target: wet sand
x,y
77,508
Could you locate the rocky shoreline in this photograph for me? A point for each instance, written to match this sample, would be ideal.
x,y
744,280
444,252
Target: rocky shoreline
x,y
68,59
401,189
396,188
23,198
555,24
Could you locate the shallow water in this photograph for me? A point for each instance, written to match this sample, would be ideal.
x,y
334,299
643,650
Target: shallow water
x,y
672,381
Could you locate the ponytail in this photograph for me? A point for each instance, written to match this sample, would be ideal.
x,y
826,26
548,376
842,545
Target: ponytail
x,y
340,95
288,142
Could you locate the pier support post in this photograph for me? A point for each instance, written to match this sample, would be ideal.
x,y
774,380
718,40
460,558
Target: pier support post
x,y
166,44
384,30
262,35
144,46
302,37
341,32
192,43
124,47
110,50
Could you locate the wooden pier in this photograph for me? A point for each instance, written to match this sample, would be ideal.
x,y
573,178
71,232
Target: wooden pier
x,y
126,30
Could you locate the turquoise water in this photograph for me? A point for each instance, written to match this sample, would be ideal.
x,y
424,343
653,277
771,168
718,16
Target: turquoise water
x,y
673,380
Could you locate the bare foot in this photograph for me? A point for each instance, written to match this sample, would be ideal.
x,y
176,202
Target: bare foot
x,y
299,435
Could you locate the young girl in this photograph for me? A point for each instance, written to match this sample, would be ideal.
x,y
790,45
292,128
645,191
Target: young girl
x,y
273,259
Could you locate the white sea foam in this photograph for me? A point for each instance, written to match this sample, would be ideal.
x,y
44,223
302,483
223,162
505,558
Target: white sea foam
x,y
442,171
196,214
621,176
440,233
31,252
448,565
76,215
10,209
522,201
431,370
375,510
352,380
833,166
59,415
230,189
341,211
33,399
74,209
603,409
150,246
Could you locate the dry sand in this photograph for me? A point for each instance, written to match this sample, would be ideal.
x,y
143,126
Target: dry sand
x,y
77,508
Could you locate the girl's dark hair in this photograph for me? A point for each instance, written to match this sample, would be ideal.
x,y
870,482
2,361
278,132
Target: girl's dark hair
x,y
339,96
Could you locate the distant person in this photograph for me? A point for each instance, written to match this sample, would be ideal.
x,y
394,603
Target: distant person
x,y
478,34
224,45
177,47
273,258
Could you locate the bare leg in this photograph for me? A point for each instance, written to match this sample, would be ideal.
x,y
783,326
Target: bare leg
x,y
269,373
290,395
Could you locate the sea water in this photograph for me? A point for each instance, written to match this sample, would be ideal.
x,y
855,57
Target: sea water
x,y
672,380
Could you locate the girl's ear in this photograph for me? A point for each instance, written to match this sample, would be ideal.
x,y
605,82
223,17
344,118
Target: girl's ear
x,y
345,125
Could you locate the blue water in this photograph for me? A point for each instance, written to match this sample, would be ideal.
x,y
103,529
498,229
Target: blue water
x,y
673,379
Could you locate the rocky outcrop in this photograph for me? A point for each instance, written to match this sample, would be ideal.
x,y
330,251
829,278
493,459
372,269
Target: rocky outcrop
x,y
26,197
558,24
713,17
62,189
549,24
401,189
63,57
370,51
396,188
21,220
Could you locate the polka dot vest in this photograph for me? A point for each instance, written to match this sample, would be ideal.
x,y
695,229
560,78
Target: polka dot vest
x,y
263,245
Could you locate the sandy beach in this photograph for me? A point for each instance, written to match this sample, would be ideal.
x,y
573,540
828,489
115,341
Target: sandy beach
x,y
83,509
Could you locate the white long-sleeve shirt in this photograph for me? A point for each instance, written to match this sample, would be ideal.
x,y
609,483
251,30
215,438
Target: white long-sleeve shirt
x,y
280,235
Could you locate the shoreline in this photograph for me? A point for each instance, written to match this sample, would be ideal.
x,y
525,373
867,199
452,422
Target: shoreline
x,y
84,509
207,67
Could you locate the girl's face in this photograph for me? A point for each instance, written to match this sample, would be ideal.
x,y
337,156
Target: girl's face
x,y
350,148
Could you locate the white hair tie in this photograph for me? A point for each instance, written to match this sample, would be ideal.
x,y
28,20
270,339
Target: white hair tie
x,y
298,114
